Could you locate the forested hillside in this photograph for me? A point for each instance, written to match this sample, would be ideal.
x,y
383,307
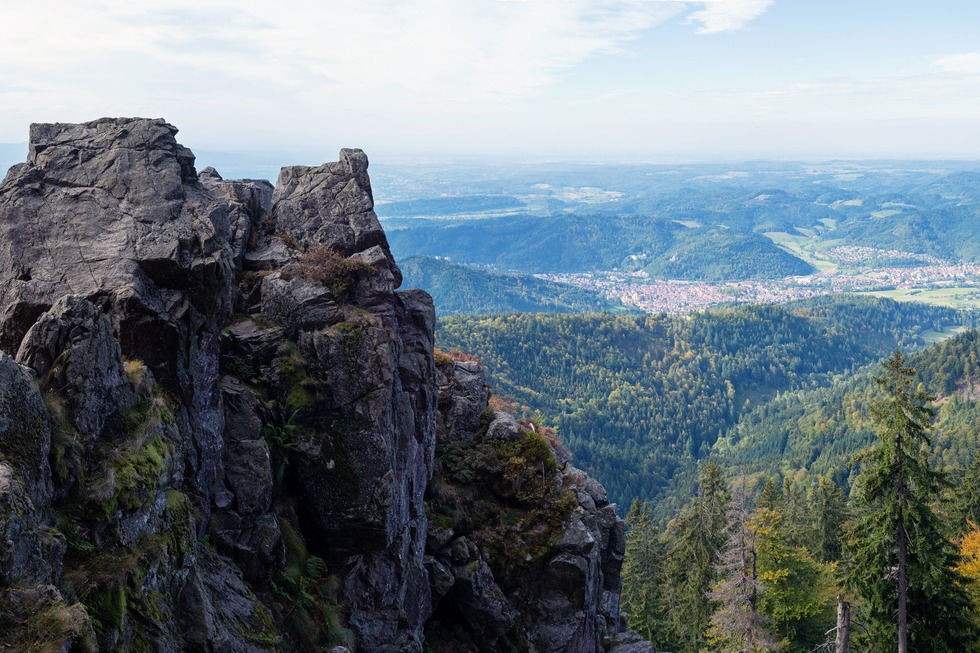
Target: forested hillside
x,y
639,399
582,243
695,222
820,430
463,289
837,496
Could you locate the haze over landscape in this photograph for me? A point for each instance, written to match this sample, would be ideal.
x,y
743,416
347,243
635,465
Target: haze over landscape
x,y
651,325
653,80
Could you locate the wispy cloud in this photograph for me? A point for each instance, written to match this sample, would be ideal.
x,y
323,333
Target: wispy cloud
x,y
726,15
435,50
968,62
439,49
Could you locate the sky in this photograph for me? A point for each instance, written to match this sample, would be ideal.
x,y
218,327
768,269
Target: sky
x,y
646,80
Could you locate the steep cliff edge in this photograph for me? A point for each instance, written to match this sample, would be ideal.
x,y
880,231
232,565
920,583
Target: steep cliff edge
x,y
219,418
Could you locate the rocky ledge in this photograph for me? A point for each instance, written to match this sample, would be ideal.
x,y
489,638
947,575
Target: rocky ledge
x,y
222,428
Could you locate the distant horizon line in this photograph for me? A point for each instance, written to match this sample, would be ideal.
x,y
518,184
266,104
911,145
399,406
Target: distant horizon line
x,y
527,158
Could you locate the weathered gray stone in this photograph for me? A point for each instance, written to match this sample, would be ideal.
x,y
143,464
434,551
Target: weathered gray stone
x,y
218,613
73,351
504,427
25,430
249,473
481,602
332,205
29,551
437,538
270,253
249,203
629,642
252,344
441,579
254,542
462,551
112,211
298,305
463,394
364,451
576,539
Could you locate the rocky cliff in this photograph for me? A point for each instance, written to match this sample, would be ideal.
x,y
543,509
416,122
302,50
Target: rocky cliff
x,y
223,429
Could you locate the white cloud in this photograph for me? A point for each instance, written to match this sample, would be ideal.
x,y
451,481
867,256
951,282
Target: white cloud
x,y
968,62
437,49
726,15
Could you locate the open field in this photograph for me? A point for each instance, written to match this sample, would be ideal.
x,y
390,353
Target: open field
x,y
932,336
690,224
885,213
954,297
802,247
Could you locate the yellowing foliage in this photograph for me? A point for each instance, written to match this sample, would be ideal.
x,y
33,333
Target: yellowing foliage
x,y
969,566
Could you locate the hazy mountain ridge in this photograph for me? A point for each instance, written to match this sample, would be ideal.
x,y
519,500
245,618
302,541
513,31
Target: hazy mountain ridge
x,y
705,222
459,289
579,243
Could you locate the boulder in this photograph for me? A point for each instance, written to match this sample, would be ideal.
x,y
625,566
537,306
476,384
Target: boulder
x,y
463,394
503,427
25,430
332,206
30,552
628,642
481,602
73,351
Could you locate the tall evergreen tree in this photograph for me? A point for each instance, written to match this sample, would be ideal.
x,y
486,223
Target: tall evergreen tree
x,y
827,506
695,539
643,572
902,563
966,506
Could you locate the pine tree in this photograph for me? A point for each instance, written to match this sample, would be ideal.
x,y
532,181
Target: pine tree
x,y
695,538
966,506
902,563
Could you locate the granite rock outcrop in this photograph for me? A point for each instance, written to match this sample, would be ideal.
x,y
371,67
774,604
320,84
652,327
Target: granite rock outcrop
x,y
219,422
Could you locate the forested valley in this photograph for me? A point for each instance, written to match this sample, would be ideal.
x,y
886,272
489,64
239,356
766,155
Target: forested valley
x,y
751,441
788,559
641,399
756,451
459,289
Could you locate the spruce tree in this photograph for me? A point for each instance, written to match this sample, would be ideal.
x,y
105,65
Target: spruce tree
x,y
827,507
695,539
643,574
902,563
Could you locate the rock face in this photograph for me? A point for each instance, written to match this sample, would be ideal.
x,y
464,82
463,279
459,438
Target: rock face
x,y
218,423
551,586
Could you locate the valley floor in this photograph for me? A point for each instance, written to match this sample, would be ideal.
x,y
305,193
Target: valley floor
x,y
942,283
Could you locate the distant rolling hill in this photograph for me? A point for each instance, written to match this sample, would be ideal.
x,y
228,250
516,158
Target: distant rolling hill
x,y
458,289
583,243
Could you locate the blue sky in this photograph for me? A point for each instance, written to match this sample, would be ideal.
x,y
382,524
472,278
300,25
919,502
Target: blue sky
x,y
655,80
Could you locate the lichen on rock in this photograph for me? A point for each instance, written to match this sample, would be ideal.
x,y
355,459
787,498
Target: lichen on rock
x,y
218,425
